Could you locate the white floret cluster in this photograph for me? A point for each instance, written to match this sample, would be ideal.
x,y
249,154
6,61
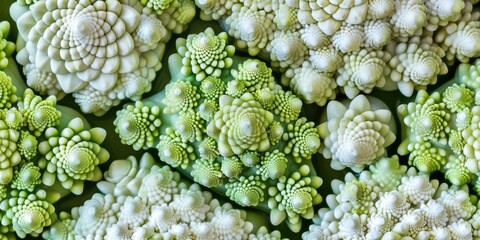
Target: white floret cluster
x,y
100,51
391,202
357,44
141,200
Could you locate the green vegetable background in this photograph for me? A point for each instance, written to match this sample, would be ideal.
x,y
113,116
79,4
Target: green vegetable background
x,y
306,126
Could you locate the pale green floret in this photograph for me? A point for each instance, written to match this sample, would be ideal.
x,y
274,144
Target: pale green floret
x,y
183,211
349,38
427,117
118,231
458,97
421,35
471,136
287,106
418,188
275,132
461,38
213,9
254,74
461,230
13,118
184,12
250,158
425,157
286,18
27,177
326,59
252,29
39,114
158,6
190,126
443,13
93,101
205,54
207,149
378,33
387,172
7,91
134,212
312,86
212,88
451,136
137,125
236,88
207,173
469,74
159,185
29,213
43,82
416,207
6,47
463,118
241,124
63,229
102,53
313,37
456,170
458,204
243,127
207,109
272,165
96,214
356,133
232,167
72,155
415,64
332,14
229,223
408,18
263,234
294,197
362,71
358,196
9,152
287,50
180,96
173,150
246,191
266,97
393,204
149,32
303,140
191,204
456,141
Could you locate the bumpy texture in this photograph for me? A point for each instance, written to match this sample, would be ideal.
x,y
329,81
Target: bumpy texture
x,y
421,36
136,125
101,51
412,206
235,131
120,210
28,213
205,54
28,124
415,64
439,130
6,47
357,134
72,155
